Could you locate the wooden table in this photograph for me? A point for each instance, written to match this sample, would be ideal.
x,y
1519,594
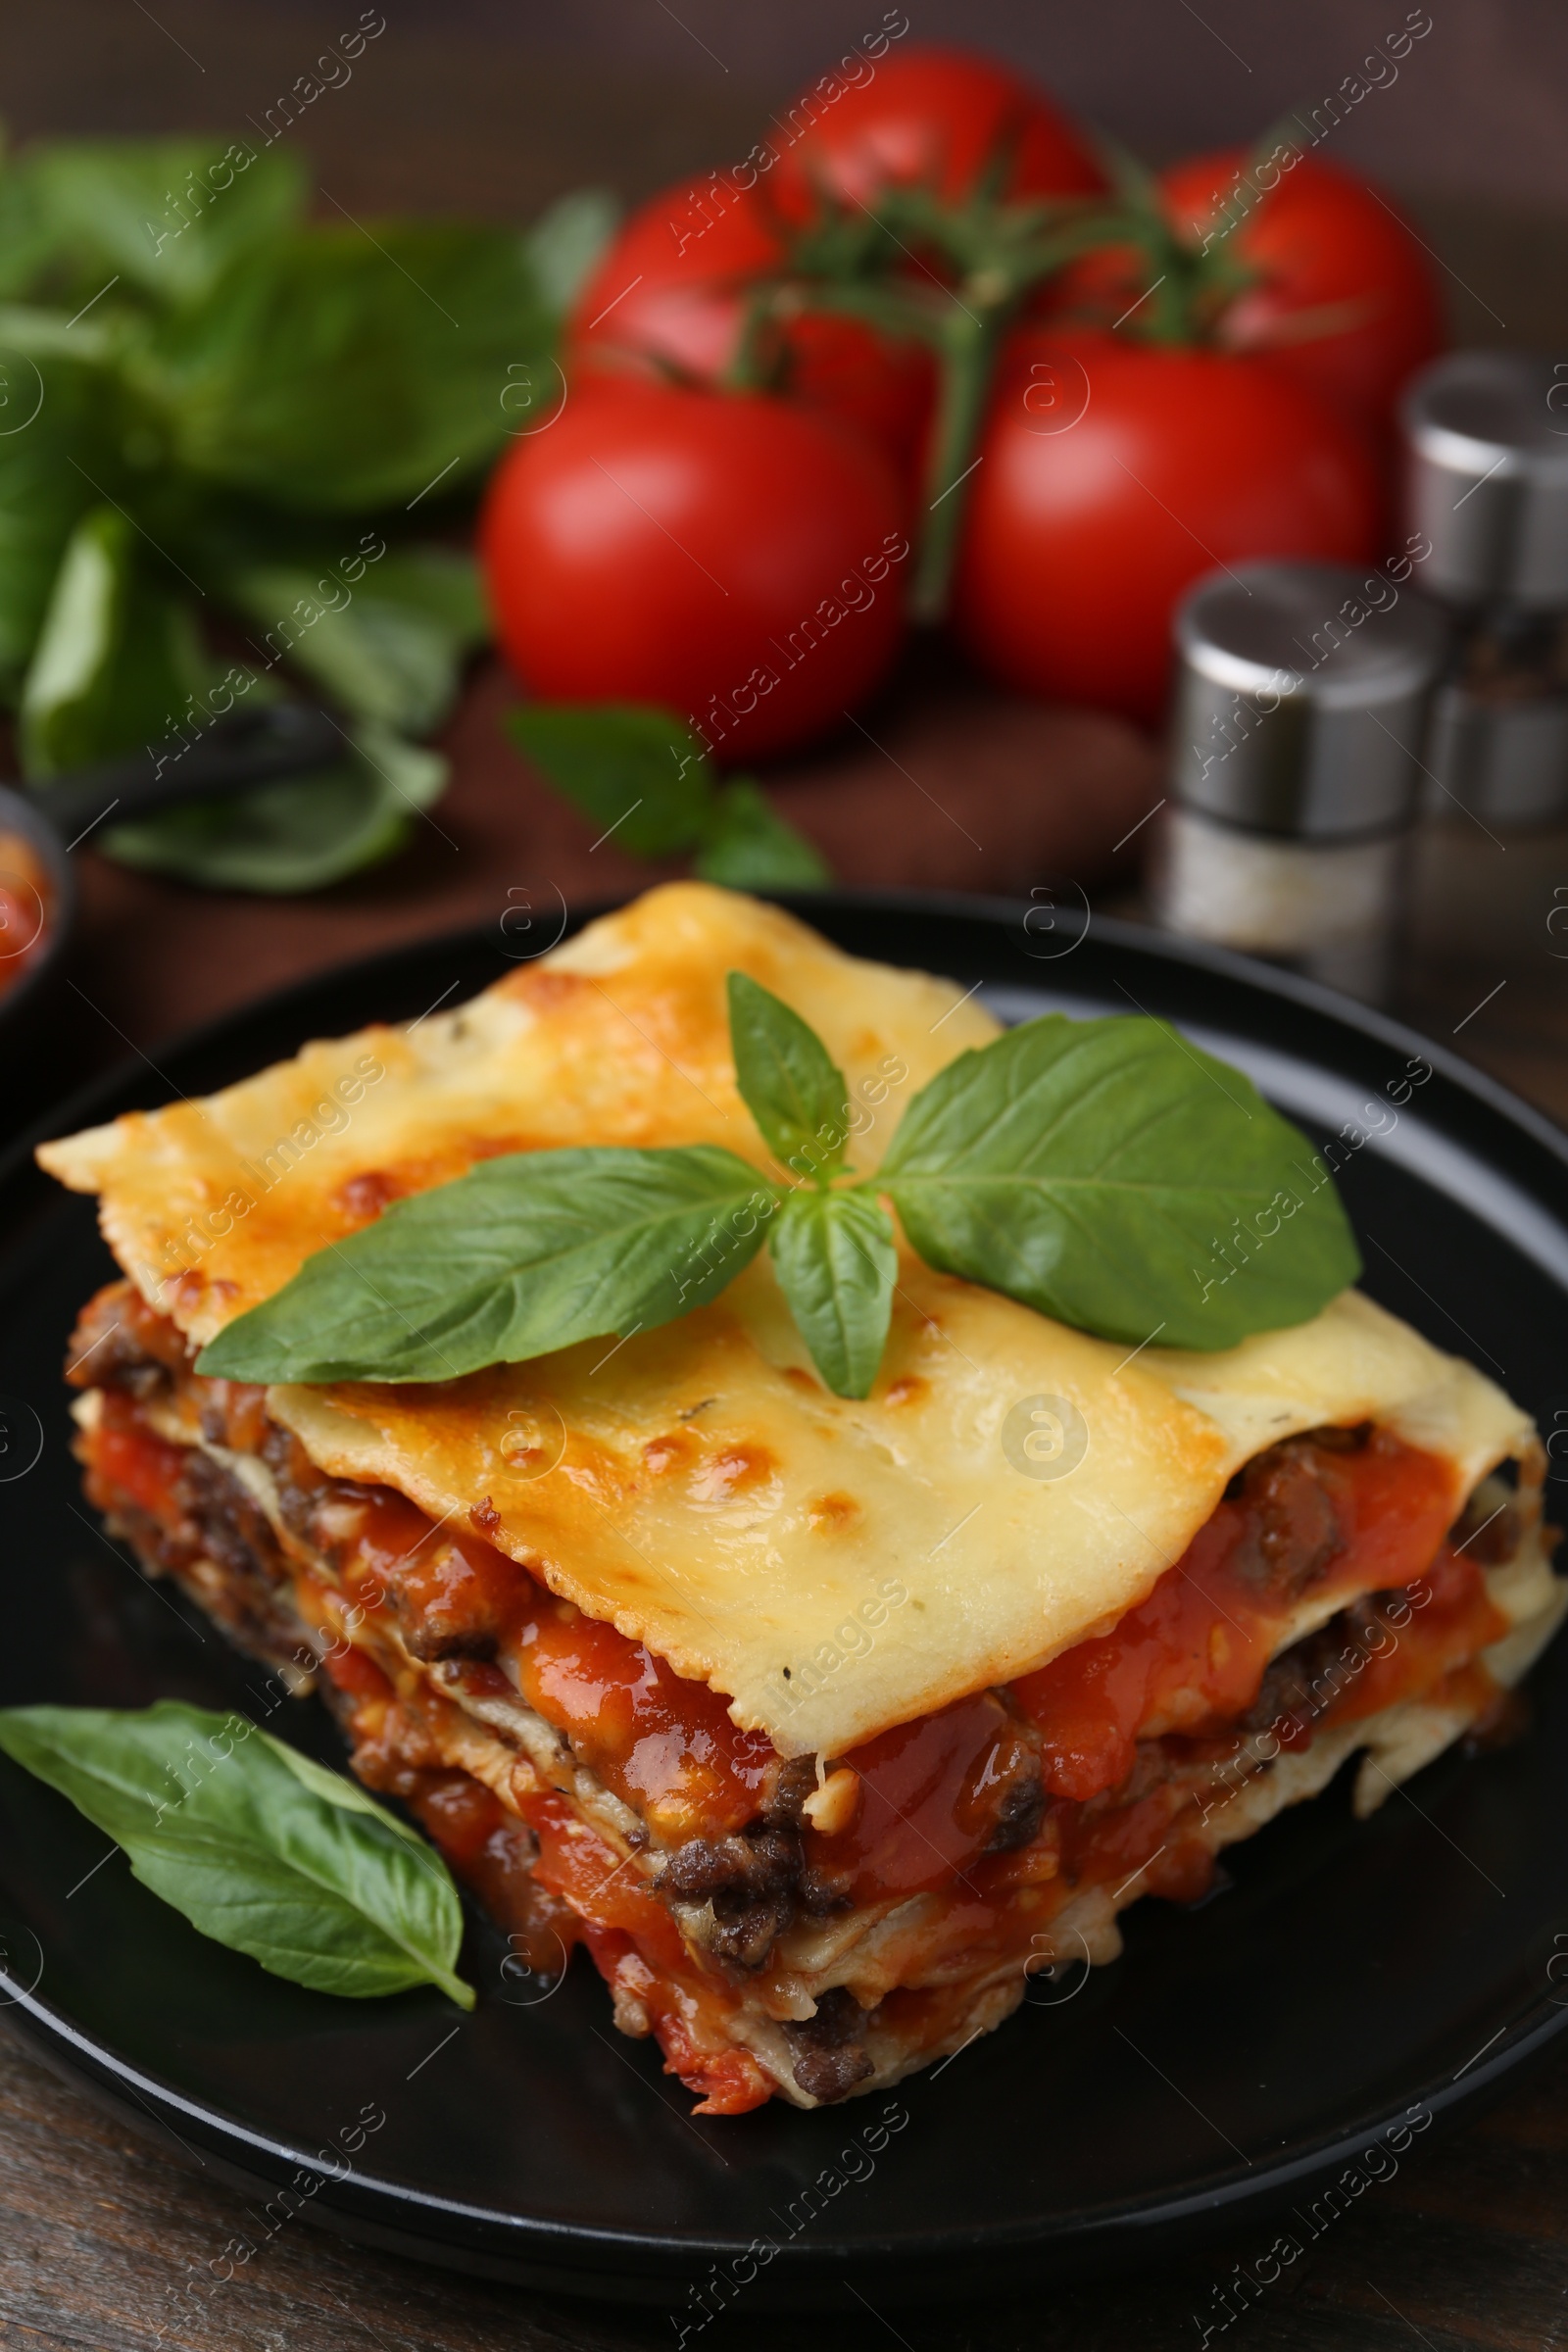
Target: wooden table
x,y
106,2240
107,2236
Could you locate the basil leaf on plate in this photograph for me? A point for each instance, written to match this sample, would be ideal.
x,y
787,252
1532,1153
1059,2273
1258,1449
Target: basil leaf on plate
x,y
837,1264
749,846
1101,1171
523,1256
261,1849
633,771
787,1079
299,834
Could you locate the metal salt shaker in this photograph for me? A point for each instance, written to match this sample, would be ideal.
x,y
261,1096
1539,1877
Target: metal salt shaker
x,y
1301,700
1486,436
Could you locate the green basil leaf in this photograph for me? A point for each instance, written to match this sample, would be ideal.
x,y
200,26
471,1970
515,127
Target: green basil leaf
x,y
441,585
300,834
344,369
836,1265
633,771
261,1849
566,240
749,846
117,660
55,418
29,238
116,656
641,775
168,217
787,1079
523,1256
1110,1174
388,647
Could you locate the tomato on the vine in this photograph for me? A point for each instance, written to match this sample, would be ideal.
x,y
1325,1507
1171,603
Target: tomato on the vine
x,y
731,557
934,118
1340,294
1346,300
1113,473
670,298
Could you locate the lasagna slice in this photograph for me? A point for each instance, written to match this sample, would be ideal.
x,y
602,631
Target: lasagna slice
x,y
821,1722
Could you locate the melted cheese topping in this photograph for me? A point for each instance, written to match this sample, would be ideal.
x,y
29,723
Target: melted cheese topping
x,y
833,1567
620,1037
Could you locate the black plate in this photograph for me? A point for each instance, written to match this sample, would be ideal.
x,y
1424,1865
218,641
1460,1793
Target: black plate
x,y
1236,2054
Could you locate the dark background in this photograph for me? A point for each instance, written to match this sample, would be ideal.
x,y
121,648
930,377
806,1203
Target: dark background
x,y
494,106
629,88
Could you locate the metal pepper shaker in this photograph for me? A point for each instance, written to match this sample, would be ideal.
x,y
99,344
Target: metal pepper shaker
x,y
1301,700
1486,454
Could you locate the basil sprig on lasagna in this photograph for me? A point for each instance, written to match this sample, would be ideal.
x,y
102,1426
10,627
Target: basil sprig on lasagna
x,y
1104,1172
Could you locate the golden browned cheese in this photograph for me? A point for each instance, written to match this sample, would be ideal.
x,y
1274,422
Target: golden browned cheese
x,y
834,1567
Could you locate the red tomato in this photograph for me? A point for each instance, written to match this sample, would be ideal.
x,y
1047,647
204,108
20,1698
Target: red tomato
x,y
1114,472
1335,256
931,115
1346,301
671,294
671,282
733,559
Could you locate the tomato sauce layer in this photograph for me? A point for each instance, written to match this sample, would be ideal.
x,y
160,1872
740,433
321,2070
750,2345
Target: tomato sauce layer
x,y
550,1883
1311,1521
664,1744
1322,1520
131,1459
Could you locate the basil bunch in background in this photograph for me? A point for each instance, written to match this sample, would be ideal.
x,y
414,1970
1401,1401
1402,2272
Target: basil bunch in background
x,y
1099,1171
226,430
260,1847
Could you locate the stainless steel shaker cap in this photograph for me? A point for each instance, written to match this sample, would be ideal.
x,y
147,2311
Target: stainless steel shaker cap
x,y
1301,699
1487,476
